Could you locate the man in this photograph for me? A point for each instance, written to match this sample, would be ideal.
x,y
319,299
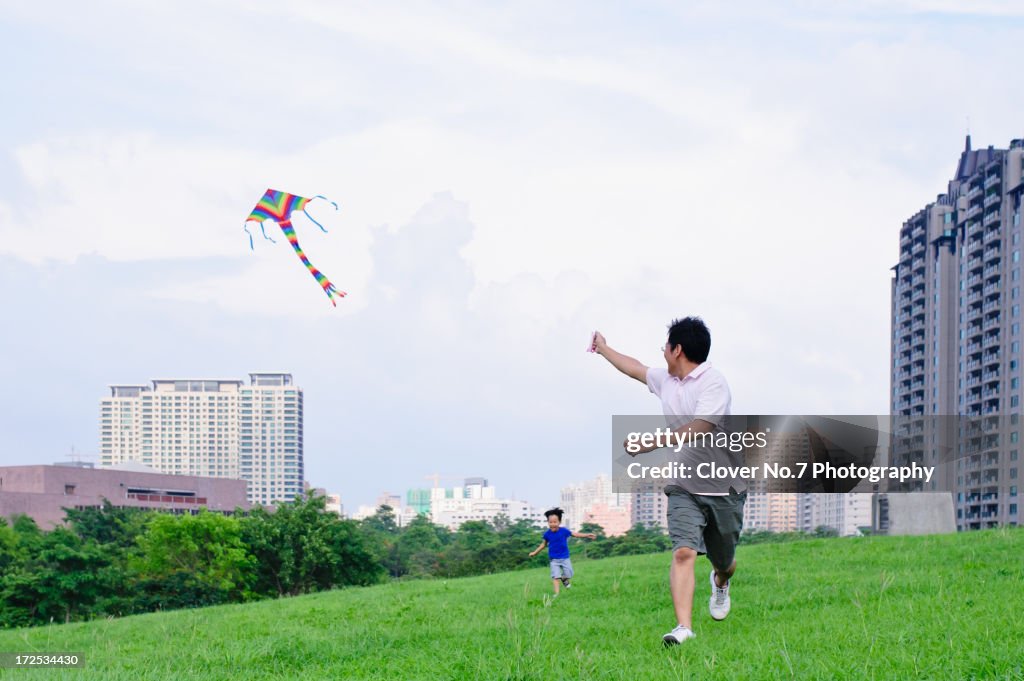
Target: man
x,y
695,397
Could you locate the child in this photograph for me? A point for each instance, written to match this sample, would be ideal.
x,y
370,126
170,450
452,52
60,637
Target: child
x,y
557,541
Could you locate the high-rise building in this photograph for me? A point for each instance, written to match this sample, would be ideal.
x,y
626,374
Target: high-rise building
x,y
650,507
956,334
578,500
418,500
216,428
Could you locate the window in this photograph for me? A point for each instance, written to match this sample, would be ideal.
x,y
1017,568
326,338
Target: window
x,y
69,490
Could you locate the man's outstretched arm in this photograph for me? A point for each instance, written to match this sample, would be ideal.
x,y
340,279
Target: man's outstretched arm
x,y
624,363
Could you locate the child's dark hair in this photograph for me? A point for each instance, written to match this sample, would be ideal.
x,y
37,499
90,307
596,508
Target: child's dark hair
x,y
554,511
693,335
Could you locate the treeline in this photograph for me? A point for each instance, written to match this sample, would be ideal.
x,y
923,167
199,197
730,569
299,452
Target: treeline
x,y
423,549
111,562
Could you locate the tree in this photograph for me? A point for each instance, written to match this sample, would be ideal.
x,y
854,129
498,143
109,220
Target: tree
x,y
472,551
74,574
380,532
60,577
641,539
108,525
419,548
301,548
595,548
202,554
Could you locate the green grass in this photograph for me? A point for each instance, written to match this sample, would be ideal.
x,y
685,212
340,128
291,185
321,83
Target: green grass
x,y
944,607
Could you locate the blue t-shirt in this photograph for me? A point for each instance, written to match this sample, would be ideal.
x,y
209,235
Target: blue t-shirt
x,y
558,543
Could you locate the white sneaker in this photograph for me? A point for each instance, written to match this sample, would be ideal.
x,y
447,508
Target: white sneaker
x,y
677,636
719,604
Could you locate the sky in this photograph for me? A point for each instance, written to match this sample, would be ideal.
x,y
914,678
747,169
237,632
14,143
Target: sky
x,y
509,179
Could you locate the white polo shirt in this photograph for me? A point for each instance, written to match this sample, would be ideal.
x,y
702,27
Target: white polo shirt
x,y
704,394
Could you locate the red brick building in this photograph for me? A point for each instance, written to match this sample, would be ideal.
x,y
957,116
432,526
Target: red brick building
x,y
43,492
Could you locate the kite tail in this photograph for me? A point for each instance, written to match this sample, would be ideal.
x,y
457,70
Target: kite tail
x,y
328,287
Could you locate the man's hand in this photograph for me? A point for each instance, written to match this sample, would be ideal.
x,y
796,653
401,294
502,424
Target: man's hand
x,y
640,449
624,363
590,535
532,554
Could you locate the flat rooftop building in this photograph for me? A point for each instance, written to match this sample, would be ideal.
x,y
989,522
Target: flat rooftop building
x,y
43,492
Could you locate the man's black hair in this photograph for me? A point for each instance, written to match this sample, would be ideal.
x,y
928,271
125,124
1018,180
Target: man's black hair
x,y
693,335
554,511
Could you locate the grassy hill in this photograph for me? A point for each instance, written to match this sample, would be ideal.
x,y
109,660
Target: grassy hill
x,y
946,607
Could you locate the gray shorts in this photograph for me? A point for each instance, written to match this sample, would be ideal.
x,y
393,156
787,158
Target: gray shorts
x,y
561,568
707,524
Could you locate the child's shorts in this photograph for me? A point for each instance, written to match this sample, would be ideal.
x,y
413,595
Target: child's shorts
x,y
561,568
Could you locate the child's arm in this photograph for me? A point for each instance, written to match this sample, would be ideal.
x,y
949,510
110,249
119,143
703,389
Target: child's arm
x,y
540,548
587,535
624,363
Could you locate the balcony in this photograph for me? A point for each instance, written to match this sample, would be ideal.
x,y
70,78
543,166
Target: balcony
x,y
991,236
991,218
973,211
992,199
992,181
991,288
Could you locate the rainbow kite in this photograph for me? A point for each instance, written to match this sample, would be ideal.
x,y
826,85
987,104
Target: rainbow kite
x,y
279,206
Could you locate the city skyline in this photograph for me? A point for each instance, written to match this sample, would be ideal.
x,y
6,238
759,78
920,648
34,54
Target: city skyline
x,y
505,187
